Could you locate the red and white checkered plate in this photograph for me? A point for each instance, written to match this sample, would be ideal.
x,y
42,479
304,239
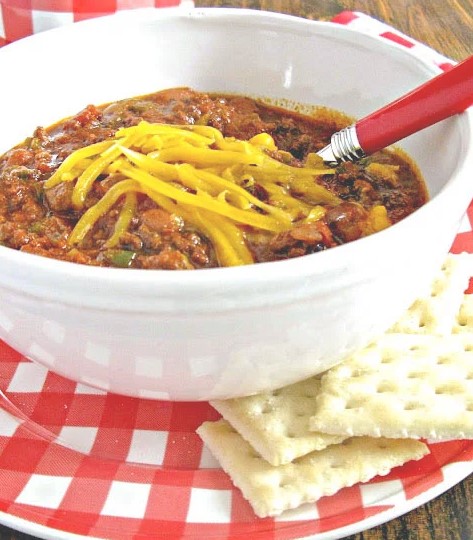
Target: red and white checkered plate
x,y
76,462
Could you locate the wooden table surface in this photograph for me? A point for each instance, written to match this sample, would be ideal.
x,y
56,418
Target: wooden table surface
x,y
446,25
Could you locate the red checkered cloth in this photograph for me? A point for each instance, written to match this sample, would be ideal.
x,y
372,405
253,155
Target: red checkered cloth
x,y
21,18
369,25
74,459
80,460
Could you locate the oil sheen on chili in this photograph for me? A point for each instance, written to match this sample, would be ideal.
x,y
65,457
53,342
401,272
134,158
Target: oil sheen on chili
x,y
180,179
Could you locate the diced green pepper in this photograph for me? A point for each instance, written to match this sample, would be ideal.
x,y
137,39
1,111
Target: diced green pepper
x,y
121,258
36,227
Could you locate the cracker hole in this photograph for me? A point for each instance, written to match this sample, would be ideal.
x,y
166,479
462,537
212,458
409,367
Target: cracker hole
x,y
357,372
449,389
461,321
284,483
413,406
442,360
469,376
469,407
266,409
310,395
468,347
416,375
385,386
353,404
386,359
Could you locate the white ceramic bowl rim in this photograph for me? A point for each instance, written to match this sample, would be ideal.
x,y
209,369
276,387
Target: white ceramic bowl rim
x,y
150,287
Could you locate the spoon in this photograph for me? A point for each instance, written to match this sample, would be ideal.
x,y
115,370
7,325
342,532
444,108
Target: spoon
x,y
441,97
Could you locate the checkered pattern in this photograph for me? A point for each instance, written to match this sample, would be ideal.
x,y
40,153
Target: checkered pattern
x,y
368,25
21,18
84,461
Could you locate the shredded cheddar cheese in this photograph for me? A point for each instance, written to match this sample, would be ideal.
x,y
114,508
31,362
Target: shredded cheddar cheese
x,y
197,173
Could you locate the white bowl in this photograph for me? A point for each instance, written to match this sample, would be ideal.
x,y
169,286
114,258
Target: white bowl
x,y
229,331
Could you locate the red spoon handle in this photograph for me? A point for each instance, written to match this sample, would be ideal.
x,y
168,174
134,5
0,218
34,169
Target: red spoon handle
x,y
441,97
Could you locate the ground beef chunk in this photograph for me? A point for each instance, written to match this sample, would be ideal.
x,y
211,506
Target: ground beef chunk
x,y
347,221
302,240
59,198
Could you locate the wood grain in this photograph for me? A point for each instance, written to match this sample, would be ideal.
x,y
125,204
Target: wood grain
x,y
446,25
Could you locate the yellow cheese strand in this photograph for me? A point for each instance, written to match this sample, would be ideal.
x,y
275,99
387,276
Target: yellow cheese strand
x,y
378,219
206,156
202,200
166,171
197,179
177,131
174,159
88,219
235,188
73,159
87,178
226,238
313,192
124,219
207,132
